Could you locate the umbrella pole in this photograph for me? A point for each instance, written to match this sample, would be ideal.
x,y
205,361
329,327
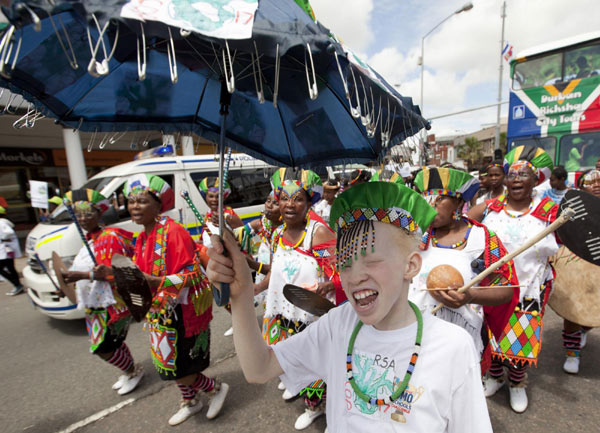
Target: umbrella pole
x,y
222,295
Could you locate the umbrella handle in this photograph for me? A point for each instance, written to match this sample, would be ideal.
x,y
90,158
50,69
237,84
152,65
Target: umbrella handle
x,y
221,295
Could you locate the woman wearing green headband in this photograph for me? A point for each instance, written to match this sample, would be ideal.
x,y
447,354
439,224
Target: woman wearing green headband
x,y
179,317
209,189
106,315
516,217
301,251
454,240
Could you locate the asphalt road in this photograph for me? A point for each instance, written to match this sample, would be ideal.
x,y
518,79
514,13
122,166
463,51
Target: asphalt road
x,y
50,383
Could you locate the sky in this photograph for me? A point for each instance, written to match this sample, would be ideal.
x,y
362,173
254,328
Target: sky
x,y
461,57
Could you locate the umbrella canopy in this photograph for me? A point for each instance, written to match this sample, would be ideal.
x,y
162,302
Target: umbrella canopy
x,y
299,97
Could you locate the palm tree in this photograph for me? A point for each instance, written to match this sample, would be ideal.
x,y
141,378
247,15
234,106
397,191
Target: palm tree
x,y
471,151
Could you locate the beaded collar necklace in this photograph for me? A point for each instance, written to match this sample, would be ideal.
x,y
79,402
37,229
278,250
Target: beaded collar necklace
x,y
293,247
409,371
505,203
457,244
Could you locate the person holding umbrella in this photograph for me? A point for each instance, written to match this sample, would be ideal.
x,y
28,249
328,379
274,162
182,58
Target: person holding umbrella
x,y
388,367
107,318
181,309
515,217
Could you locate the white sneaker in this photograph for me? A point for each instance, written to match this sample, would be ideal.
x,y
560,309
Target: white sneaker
x,y
583,339
217,399
571,364
518,398
307,418
132,381
287,395
119,383
229,332
186,410
281,386
491,385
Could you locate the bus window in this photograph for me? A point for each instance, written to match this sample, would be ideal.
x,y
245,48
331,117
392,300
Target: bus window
x,y
537,72
579,151
546,143
582,62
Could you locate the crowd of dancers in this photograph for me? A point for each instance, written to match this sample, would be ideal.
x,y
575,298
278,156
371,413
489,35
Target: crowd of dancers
x,y
385,250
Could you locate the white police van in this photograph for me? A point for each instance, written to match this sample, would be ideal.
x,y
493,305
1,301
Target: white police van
x,y
250,183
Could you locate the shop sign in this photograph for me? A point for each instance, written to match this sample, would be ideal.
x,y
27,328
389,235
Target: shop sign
x,y
24,157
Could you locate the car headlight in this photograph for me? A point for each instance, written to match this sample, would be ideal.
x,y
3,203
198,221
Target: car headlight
x,y
30,244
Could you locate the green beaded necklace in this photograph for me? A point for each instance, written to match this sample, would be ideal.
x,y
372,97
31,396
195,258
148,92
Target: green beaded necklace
x,y
411,365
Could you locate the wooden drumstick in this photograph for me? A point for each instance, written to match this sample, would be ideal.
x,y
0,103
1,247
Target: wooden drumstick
x,y
565,217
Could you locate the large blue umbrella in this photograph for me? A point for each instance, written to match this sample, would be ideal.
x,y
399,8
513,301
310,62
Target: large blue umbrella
x,y
261,76
285,45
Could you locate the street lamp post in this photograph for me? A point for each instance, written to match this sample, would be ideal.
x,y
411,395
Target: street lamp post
x,y
466,7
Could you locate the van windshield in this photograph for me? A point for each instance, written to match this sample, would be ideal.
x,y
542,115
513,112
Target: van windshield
x,y
61,215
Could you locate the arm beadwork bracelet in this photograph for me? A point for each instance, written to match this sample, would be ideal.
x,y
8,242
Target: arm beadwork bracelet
x,y
91,275
260,268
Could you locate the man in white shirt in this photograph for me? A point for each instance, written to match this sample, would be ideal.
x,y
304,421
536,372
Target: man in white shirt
x,y
323,207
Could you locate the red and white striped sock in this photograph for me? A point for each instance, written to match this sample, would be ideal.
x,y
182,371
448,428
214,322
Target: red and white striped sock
x,y
496,370
186,391
203,383
572,342
517,374
122,358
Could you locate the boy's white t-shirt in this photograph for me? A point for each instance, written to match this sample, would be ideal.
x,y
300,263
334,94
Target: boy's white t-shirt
x,y
445,393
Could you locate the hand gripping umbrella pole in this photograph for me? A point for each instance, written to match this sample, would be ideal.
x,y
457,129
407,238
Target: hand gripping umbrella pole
x,y
564,217
222,295
80,230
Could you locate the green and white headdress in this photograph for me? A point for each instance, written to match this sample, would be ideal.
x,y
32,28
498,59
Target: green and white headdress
x,y
432,182
386,175
534,157
86,198
355,210
291,179
155,185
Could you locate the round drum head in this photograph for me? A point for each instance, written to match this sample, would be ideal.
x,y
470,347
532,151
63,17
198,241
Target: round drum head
x,y
582,234
576,293
60,268
307,300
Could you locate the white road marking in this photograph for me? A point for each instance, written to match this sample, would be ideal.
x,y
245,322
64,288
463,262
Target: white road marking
x,y
98,415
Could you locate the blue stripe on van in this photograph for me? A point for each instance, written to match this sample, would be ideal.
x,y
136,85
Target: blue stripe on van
x,y
158,162
54,231
199,160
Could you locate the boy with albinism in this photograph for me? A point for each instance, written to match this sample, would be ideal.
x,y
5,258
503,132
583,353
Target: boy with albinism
x,y
387,365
